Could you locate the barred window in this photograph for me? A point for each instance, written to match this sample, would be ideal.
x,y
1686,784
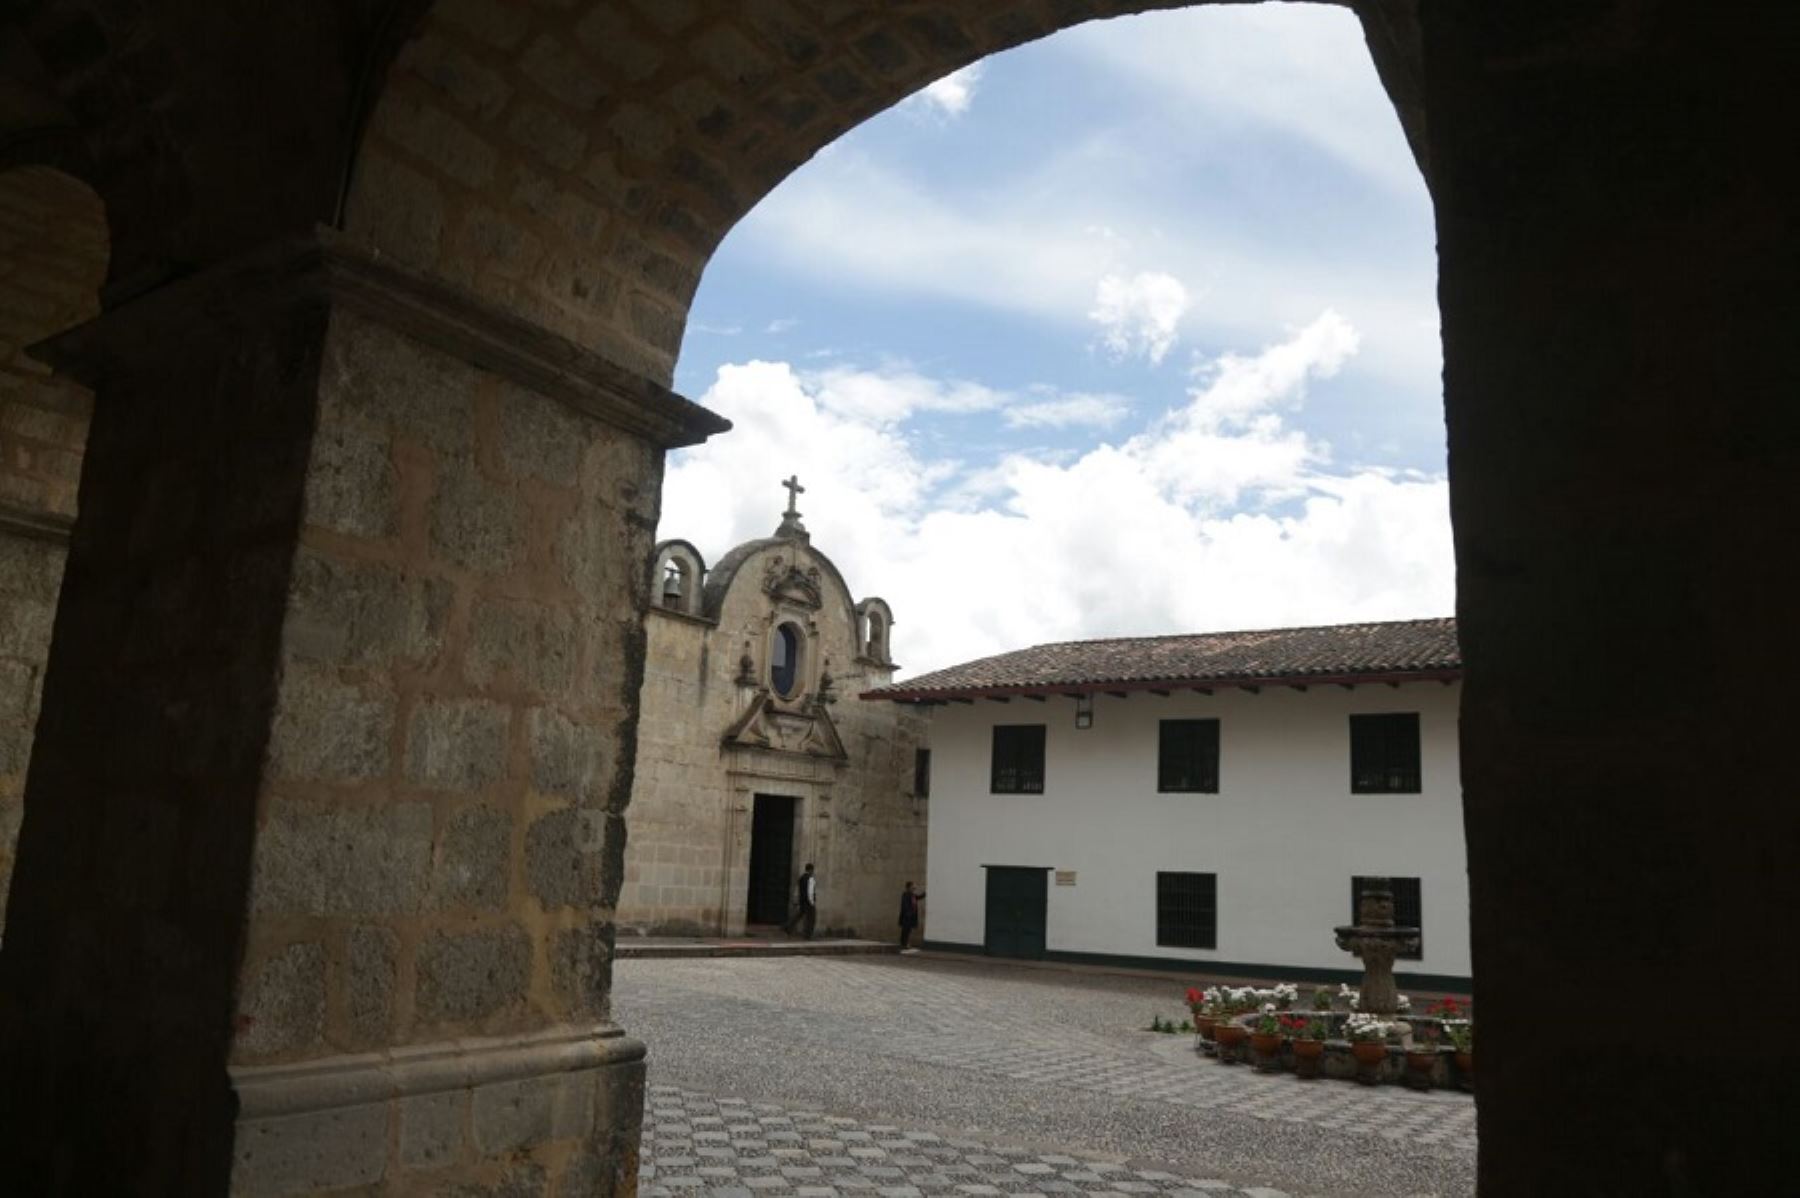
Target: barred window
x,y
1187,757
1409,911
1018,766
1384,754
921,773
1187,911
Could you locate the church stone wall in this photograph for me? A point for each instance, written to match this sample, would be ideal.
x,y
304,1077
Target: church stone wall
x,y
687,855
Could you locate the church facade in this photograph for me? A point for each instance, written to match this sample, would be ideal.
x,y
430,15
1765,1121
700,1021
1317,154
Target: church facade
x,y
749,766
1215,800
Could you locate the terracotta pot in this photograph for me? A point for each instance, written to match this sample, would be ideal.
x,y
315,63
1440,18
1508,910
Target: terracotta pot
x,y
1465,1061
1230,1037
1266,1044
1205,1024
1419,1064
1307,1056
1368,1052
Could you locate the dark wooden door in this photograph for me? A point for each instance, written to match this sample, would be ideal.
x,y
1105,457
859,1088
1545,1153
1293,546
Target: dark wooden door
x,y
1016,904
771,859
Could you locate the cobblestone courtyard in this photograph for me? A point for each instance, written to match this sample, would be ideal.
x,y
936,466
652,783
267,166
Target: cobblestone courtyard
x,y
916,1075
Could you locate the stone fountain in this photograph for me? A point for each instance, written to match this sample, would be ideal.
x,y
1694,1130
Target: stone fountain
x,y
1376,941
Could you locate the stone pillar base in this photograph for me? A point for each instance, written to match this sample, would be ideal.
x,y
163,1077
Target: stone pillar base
x,y
560,1107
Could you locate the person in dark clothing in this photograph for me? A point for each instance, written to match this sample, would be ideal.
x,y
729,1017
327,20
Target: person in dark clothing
x,y
909,914
806,908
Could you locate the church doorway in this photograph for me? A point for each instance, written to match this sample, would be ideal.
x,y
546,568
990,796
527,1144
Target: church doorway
x,y
1017,905
771,859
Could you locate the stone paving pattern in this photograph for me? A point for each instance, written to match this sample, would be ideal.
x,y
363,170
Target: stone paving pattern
x,y
1041,1062
730,1148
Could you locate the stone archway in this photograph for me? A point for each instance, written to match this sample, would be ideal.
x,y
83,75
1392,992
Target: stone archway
x,y
53,252
298,445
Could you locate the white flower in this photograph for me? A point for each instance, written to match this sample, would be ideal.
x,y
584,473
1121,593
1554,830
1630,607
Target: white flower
x,y
1404,1004
1268,1008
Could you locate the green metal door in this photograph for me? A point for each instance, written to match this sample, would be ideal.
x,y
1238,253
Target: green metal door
x,y
1016,905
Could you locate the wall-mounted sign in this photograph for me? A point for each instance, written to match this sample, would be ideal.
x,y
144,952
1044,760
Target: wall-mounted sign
x,y
1065,877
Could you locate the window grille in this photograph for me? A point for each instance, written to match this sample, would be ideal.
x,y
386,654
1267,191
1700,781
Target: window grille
x,y
1187,757
1409,910
1187,910
1384,754
1018,766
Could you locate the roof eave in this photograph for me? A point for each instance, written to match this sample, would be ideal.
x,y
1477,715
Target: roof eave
x,y
903,694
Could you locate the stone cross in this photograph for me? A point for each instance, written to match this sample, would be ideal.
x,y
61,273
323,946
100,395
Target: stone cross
x,y
794,490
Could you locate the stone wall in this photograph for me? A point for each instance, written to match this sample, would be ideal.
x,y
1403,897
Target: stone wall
x,y
437,845
686,864
52,257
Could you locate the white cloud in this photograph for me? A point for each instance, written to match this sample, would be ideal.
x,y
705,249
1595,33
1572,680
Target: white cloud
x,y
952,94
1219,516
1139,315
1094,411
781,325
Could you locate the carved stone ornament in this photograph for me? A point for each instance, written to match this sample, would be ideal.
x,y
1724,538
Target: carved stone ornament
x,y
767,725
788,583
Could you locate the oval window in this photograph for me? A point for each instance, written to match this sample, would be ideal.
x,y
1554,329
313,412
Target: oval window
x,y
784,661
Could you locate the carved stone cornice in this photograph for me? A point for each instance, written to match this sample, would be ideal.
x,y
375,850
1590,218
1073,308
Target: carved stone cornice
x,y
329,266
36,525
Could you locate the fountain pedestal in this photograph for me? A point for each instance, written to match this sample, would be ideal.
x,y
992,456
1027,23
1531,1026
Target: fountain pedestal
x,y
1376,941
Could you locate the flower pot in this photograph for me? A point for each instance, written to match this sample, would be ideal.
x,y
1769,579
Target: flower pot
x,y
1230,1037
1465,1069
1267,1047
1205,1024
1419,1064
1307,1055
1369,1055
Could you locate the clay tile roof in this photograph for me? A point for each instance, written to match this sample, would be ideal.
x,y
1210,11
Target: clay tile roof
x,y
1392,651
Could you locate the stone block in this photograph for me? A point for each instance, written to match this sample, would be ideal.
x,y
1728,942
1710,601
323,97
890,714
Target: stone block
x,y
30,569
572,1105
501,25
25,625
479,90
417,393
319,1150
283,1004
431,1129
580,969
475,523
18,690
432,134
567,758
457,744
472,862
496,244
326,730
365,859
471,975
540,438
553,140
350,481
532,642
563,857
369,990
512,1115
363,614
399,209
563,73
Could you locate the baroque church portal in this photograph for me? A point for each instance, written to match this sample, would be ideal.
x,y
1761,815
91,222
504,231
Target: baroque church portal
x,y
748,767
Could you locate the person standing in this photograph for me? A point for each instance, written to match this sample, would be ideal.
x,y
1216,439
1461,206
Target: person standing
x,y
806,909
909,916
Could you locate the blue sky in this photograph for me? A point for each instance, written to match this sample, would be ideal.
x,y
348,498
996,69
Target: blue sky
x,y
1132,330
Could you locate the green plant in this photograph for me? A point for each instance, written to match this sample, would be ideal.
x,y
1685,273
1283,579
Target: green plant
x,y
1461,1035
1322,1000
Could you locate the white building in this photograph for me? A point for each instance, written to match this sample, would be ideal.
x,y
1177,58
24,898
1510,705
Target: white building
x,y
1209,799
